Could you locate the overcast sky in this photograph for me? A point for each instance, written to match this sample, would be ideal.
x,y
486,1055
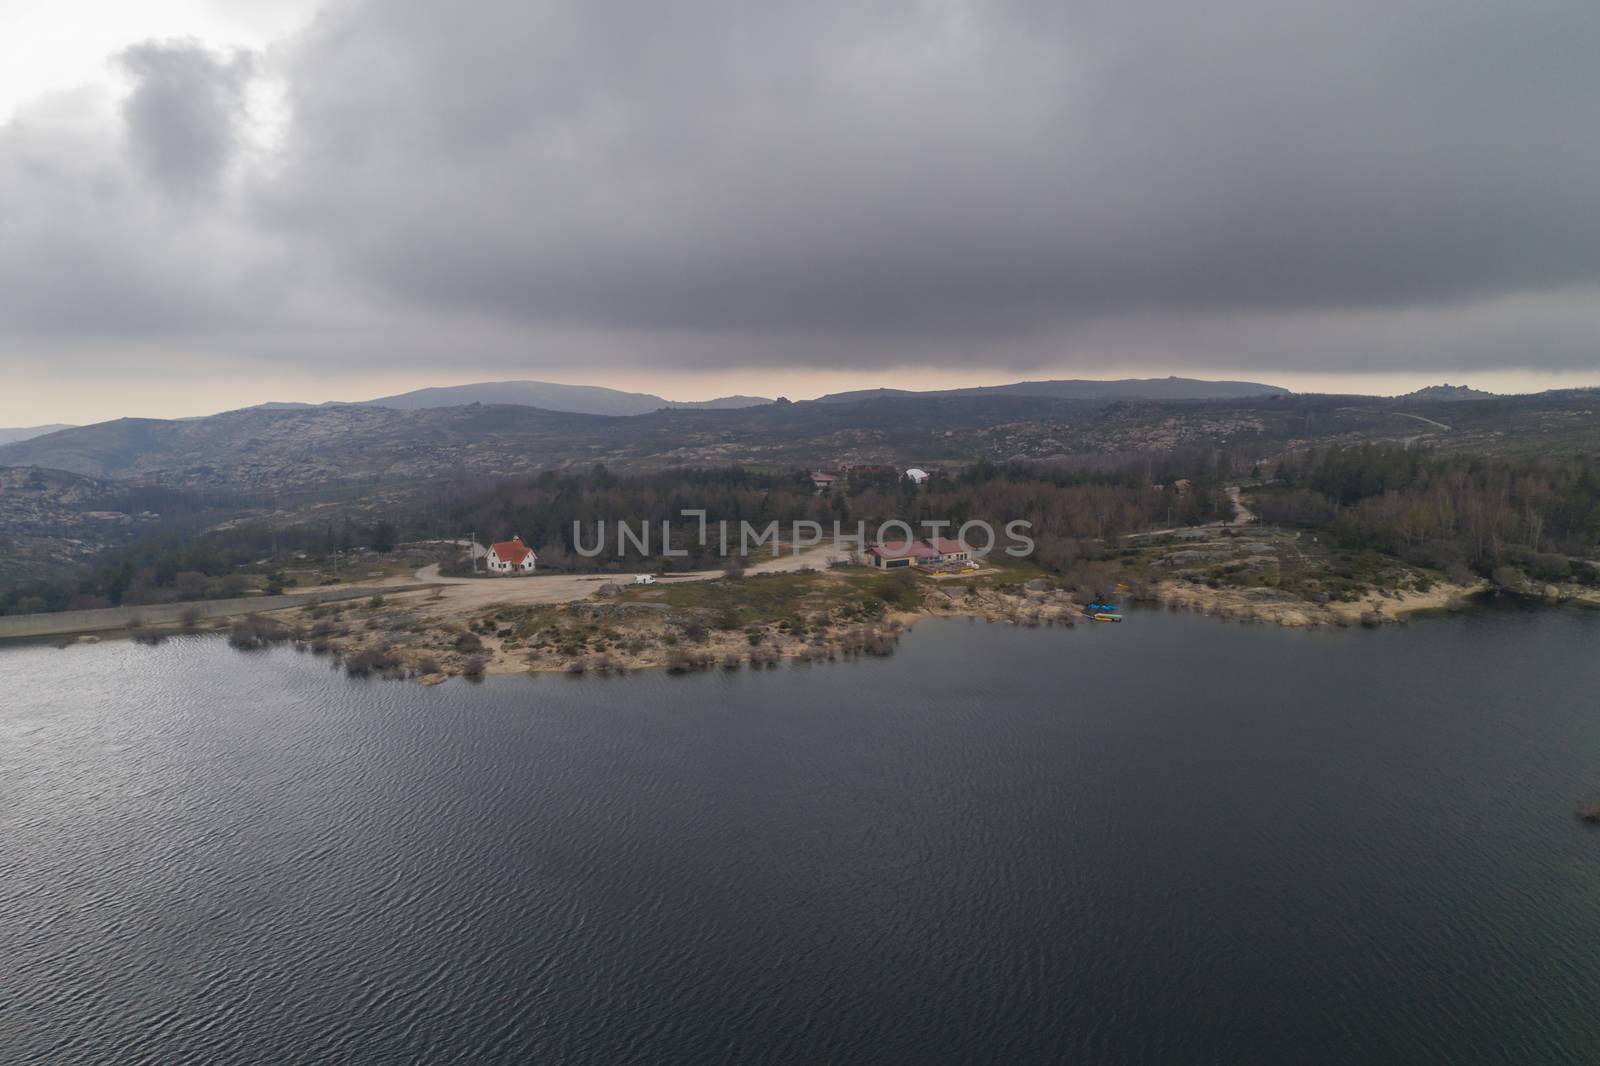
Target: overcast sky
x,y
209,203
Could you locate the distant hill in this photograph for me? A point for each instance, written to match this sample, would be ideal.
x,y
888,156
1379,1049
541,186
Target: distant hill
x,y
721,403
573,399
288,449
1448,392
12,436
1080,389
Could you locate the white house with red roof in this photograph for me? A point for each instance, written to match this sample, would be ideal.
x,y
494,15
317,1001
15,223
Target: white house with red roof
x,y
511,557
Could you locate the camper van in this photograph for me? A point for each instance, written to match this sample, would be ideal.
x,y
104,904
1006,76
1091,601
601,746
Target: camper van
x,y
644,579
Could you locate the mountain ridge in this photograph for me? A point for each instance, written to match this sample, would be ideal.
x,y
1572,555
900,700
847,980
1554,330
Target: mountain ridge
x,y
1448,392
552,396
17,434
1168,388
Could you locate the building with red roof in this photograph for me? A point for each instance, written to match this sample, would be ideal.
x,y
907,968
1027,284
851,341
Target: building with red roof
x,y
511,557
889,555
951,550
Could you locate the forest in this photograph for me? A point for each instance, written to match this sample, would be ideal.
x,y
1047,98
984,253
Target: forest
x,y
1508,519
1453,512
1063,503
1068,506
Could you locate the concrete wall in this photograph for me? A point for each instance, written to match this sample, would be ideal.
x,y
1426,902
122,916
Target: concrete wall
x,y
59,623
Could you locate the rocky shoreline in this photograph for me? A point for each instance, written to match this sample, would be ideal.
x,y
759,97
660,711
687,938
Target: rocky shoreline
x,y
601,637
415,636
1270,606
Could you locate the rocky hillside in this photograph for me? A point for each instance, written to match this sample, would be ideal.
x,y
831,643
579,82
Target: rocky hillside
x,y
258,451
275,449
51,519
263,450
1448,391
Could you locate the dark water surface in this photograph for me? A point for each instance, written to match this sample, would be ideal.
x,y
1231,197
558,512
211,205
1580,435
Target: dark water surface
x,y
1170,841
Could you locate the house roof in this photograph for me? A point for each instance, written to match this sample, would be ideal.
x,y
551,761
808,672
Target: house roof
x,y
820,475
917,549
512,551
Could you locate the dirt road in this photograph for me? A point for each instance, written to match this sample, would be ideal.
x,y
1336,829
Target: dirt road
x,y
1419,418
1242,516
464,595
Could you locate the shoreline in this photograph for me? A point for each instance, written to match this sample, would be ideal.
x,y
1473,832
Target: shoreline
x,y
1267,605
422,634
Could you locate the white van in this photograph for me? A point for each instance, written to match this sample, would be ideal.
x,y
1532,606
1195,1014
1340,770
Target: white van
x,y
644,579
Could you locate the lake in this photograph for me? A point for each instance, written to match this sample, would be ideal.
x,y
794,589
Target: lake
x,y
1174,840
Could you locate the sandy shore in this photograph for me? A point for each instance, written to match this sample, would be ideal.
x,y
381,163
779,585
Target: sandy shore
x,y
1267,605
567,624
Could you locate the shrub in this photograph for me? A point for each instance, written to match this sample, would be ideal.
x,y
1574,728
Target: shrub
x,y
474,667
375,602
1508,578
468,642
680,661
1548,566
252,632
374,661
189,617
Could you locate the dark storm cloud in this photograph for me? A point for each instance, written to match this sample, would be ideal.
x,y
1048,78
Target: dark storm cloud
x,y
956,166
182,115
1242,183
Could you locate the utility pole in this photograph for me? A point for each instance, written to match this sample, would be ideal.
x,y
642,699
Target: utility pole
x,y
472,551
